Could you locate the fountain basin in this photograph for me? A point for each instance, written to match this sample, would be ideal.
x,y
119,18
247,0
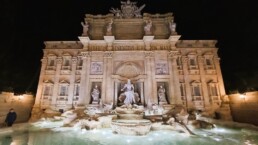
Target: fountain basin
x,y
131,127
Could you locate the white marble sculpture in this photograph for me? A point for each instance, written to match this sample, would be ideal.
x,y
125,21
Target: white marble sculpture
x,y
147,27
129,93
109,28
172,27
162,95
95,95
85,28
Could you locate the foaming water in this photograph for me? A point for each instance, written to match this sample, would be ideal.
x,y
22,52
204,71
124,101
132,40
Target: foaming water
x,y
66,136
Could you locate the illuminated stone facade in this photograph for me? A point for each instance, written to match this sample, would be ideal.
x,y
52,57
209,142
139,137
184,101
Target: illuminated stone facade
x,y
145,49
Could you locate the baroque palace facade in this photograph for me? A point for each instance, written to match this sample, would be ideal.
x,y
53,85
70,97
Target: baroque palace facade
x,y
126,45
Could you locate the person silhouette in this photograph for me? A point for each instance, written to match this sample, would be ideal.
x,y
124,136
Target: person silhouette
x,y
11,117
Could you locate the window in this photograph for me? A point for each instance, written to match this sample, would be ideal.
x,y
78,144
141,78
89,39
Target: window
x,y
52,62
196,90
213,90
66,62
47,91
192,62
208,62
63,91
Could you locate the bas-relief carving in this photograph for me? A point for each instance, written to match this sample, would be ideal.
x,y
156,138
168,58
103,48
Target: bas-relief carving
x,y
96,68
161,68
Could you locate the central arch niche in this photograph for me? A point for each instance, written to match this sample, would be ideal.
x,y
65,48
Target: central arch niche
x,y
128,70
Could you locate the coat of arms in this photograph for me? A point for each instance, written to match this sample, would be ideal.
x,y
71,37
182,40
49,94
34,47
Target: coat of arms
x,y
128,10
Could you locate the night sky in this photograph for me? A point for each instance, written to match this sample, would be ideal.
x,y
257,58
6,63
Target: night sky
x,y
25,25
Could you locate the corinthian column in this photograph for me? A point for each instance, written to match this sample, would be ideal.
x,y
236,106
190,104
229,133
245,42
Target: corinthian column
x,y
108,82
175,96
56,81
205,93
72,80
84,85
150,97
187,83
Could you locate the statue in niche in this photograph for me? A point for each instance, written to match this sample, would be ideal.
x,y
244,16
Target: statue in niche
x,y
95,95
172,27
162,95
129,96
85,28
147,27
109,28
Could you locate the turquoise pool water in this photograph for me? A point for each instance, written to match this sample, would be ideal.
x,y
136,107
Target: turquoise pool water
x,y
24,135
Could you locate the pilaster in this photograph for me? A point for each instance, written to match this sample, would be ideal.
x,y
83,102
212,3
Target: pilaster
x,y
174,78
108,83
56,81
72,81
148,87
84,84
205,93
187,82
41,79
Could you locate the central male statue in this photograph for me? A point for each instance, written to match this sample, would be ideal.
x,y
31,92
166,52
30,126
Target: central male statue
x,y
129,93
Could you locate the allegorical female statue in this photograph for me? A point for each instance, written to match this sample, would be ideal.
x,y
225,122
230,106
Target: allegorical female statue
x,y
95,95
129,93
85,28
162,95
147,27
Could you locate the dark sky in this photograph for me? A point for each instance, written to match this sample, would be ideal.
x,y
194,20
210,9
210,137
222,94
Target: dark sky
x,y
26,25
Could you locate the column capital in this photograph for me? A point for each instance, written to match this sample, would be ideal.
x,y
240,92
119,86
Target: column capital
x,y
108,54
149,54
173,54
74,60
184,59
200,59
85,54
59,60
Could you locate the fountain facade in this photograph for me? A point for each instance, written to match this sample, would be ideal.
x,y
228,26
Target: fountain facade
x,y
128,45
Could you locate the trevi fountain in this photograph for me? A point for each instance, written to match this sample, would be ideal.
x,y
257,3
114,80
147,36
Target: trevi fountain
x,y
130,80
